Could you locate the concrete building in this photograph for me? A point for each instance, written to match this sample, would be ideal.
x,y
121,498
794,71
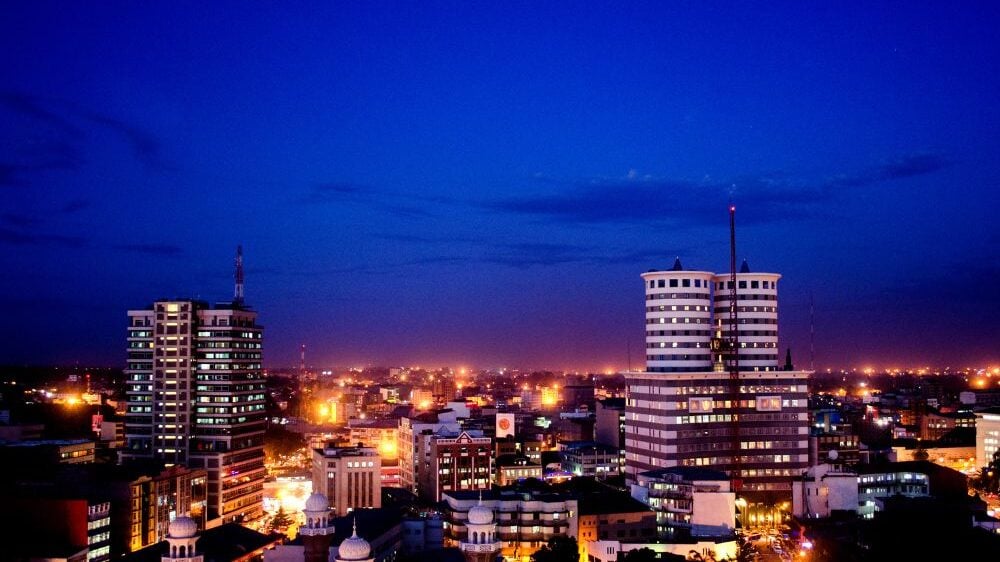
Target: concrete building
x,y
525,520
609,422
455,461
680,412
415,432
823,490
935,424
195,396
614,515
350,477
987,436
512,468
586,458
611,551
688,502
47,452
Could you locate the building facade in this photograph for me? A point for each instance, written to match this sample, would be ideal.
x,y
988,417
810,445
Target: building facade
x,y
350,477
525,521
462,461
685,410
195,396
689,502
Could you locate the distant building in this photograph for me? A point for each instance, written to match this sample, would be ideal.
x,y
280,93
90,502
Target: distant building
x,y
351,477
577,395
935,425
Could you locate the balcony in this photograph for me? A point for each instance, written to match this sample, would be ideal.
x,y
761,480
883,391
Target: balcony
x,y
494,547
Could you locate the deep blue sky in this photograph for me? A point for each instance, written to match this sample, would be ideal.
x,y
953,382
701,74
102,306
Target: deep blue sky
x,y
467,183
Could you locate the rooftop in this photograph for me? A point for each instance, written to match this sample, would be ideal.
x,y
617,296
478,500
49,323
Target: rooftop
x,y
688,473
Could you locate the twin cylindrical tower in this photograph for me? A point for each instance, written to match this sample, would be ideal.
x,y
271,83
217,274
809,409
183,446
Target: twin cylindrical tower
x,y
689,311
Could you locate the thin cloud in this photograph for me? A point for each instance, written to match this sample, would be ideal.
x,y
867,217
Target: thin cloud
x,y
68,122
164,250
636,198
20,238
330,193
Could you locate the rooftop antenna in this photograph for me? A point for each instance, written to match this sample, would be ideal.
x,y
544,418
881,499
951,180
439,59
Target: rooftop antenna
x,y
812,335
238,294
733,346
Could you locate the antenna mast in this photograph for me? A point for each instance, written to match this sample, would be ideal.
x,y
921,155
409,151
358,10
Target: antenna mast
x,y
812,335
734,355
238,294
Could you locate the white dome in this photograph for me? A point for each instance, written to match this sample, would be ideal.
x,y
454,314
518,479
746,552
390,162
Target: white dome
x,y
317,502
354,547
480,515
182,527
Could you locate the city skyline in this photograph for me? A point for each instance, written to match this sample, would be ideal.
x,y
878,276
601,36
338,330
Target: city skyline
x,y
484,185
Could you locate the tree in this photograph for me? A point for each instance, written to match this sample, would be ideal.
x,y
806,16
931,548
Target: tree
x,y
558,549
281,520
640,555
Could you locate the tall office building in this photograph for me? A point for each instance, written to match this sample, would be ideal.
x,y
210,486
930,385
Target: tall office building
x,y
685,409
195,396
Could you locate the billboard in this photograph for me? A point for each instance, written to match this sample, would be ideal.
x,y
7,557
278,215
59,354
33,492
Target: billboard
x,y
505,425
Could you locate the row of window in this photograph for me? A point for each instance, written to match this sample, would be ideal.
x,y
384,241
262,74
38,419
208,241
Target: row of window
x,y
675,320
675,307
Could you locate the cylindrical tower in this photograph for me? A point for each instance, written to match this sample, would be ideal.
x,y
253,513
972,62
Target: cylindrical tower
x,y
757,312
678,320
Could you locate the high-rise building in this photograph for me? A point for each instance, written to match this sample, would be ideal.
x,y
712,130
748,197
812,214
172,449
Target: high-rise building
x,y
687,410
349,476
195,396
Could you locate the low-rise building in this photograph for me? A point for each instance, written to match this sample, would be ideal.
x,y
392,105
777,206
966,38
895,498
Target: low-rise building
x,y
688,501
987,436
525,520
611,551
823,490
614,515
587,458
513,468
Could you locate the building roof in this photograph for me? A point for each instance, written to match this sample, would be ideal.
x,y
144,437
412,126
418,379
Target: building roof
x,y
613,502
688,473
225,543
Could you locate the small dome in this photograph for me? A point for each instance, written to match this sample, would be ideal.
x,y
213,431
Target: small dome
x,y
317,502
183,527
354,547
480,515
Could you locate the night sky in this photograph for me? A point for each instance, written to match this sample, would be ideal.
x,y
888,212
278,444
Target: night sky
x,y
482,184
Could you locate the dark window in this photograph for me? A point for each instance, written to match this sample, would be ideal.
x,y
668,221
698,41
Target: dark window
x,y
685,282
673,282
